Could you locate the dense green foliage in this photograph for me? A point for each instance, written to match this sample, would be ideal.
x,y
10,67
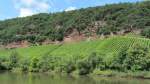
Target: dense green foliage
x,y
115,53
146,32
134,58
113,18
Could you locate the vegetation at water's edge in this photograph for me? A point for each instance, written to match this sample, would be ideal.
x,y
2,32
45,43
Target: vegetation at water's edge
x,y
55,26
130,55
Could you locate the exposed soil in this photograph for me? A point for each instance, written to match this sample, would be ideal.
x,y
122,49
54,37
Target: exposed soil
x,y
17,44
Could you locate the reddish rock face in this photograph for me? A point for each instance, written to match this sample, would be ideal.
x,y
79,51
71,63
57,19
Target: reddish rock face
x,y
17,44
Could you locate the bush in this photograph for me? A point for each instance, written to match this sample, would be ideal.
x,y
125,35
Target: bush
x,y
69,66
55,62
24,64
59,36
2,66
146,32
104,31
34,67
48,63
13,60
45,63
118,60
138,58
87,66
84,67
135,58
6,65
95,60
31,38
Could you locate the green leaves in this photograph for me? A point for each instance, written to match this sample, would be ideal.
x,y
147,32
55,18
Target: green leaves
x,y
135,58
146,32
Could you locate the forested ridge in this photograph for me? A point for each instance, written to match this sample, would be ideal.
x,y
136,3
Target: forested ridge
x,y
55,26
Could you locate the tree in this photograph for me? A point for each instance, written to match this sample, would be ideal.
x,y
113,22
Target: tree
x,y
104,31
134,58
138,58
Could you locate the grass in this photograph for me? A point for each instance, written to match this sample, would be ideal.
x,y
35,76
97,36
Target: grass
x,y
30,51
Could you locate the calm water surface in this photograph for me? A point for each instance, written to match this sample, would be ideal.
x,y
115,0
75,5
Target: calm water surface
x,y
13,78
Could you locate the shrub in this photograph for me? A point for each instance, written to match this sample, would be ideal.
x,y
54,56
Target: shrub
x,y
45,63
69,66
24,64
34,65
104,31
50,63
2,66
84,67
59,37
146,32
95,60
117,62
55,62
40,38
135,58
101,64
31,38
6,65
87,65
13,60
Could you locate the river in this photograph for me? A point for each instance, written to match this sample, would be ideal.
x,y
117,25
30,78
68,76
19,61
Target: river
x,y
34,78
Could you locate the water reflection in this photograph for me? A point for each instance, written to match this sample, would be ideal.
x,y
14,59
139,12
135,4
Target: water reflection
x,y
34,78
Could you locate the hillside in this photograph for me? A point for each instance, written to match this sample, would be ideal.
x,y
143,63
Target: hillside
x,y
121,53
89,22
113,37
107,47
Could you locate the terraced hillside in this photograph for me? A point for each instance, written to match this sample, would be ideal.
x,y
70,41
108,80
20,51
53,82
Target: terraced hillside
x,y
106,46
82,57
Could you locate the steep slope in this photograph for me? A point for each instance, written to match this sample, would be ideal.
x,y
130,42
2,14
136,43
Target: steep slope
x,y
82,49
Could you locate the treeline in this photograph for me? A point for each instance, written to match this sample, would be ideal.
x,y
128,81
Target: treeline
x,y
136,58
55,26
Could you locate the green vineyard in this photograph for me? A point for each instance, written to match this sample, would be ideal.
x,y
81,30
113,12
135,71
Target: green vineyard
x,y
106,46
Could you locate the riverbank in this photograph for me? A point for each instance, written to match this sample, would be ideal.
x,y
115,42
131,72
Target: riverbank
x,y
96,73
117,74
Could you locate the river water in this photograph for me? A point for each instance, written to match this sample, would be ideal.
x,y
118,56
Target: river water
x,y
13,78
